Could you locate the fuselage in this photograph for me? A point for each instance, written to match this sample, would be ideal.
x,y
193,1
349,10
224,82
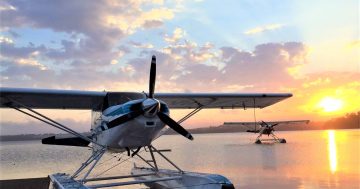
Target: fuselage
x,y
266,130
134,133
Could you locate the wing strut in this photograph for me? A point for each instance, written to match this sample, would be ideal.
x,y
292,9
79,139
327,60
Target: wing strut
x,y
48,121
196,110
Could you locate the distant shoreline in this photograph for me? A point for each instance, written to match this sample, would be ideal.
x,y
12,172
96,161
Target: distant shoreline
x,y
207,130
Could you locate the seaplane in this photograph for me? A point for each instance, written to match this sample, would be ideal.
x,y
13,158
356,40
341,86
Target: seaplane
x,y
267,128
126,122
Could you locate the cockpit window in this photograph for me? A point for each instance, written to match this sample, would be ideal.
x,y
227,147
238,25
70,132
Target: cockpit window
x,y
117,111
123,109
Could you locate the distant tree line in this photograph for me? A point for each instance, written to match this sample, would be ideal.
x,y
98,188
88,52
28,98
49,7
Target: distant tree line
x,y
349,121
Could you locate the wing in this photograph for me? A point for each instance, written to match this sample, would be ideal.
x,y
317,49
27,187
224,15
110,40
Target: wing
x,y
289,122
221,100
62,99
270,122
92,100
242,123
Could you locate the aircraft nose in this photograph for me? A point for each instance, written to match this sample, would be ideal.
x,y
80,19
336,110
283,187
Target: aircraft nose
x,y
151,107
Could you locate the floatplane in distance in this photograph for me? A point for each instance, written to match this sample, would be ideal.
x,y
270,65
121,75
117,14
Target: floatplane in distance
x,y
127,122
267,128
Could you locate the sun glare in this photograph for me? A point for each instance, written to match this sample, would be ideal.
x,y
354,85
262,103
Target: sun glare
x,y
329,104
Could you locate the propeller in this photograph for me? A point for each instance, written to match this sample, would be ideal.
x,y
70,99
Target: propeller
x,y
271,127
264,123
149,107
152,77
105,102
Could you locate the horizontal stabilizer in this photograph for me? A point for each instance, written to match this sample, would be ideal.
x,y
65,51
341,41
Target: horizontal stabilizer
x,y
253,131
73,141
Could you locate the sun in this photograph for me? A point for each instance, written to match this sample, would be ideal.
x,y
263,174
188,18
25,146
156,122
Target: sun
x,y
329,104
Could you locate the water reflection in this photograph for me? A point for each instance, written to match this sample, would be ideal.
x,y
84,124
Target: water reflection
x,y
332,151
310,159
268,157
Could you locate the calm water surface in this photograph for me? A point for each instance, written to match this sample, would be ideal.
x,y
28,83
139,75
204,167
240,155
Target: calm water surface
x,y
310,159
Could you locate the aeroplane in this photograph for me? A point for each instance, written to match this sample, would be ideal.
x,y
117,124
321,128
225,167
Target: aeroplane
x,y
128,121
266,128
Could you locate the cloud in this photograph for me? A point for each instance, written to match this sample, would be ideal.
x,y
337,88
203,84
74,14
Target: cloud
x,y
95,27
261,29
4,6
90,52
266,67
137,18
205,68
183,65
92,37
14,34
9,50
113,61
178,33
31,62
6,40
148,24
141,45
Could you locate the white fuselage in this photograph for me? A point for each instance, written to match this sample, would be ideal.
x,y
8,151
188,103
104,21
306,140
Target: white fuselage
x,y
137,132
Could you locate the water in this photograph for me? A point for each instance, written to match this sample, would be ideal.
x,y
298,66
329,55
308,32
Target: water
x,y
310,159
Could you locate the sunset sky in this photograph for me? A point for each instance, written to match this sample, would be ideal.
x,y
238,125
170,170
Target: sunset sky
x,y
308,48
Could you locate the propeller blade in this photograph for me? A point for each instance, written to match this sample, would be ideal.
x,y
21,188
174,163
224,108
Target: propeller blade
x,y
152,77
175,126
124,118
